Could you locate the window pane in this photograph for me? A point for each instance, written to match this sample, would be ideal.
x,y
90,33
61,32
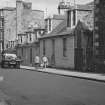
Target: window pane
x,y
69,19
74,17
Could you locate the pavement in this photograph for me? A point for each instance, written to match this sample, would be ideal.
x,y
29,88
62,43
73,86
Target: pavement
x,y
89,76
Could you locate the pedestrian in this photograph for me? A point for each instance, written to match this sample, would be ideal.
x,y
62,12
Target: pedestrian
x,y
37,61
44,61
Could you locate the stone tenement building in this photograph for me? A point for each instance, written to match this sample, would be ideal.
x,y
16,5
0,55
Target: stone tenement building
x,y
18,20
9,15
59,43
28,18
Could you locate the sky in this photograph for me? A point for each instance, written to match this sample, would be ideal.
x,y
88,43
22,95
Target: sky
x,y
46,5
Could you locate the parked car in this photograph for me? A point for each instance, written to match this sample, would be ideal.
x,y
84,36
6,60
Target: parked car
x,y
9,60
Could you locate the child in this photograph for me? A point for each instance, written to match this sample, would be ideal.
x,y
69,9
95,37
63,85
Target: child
x,y
37,61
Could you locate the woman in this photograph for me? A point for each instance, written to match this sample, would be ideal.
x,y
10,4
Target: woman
x,y
37,61
44,61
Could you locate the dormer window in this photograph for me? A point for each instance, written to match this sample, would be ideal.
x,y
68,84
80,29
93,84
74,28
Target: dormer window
x,y
68,18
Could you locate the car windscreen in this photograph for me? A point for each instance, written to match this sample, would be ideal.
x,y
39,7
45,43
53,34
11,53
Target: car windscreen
x,y
10,56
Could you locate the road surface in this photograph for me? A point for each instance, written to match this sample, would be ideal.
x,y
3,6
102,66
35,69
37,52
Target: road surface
x,y
24,87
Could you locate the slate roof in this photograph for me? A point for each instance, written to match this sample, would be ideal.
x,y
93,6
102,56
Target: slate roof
x,y
59,30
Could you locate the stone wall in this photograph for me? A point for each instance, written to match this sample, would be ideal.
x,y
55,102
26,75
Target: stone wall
x,y
26,17
18,20
9,26
27,53
60,60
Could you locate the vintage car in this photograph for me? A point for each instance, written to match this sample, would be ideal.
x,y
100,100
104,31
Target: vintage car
x,y
10,60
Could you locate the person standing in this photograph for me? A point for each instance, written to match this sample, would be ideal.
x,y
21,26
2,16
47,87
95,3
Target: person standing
x,y
45,61
37,61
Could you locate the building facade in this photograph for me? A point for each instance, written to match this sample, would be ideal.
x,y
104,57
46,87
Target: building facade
x,y
9,15
83,46
28,45
18,19
59,50
99,34
27,53
26,17
67,42
60,45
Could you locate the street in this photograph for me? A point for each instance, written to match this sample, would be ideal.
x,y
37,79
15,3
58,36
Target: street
x,y
24,87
